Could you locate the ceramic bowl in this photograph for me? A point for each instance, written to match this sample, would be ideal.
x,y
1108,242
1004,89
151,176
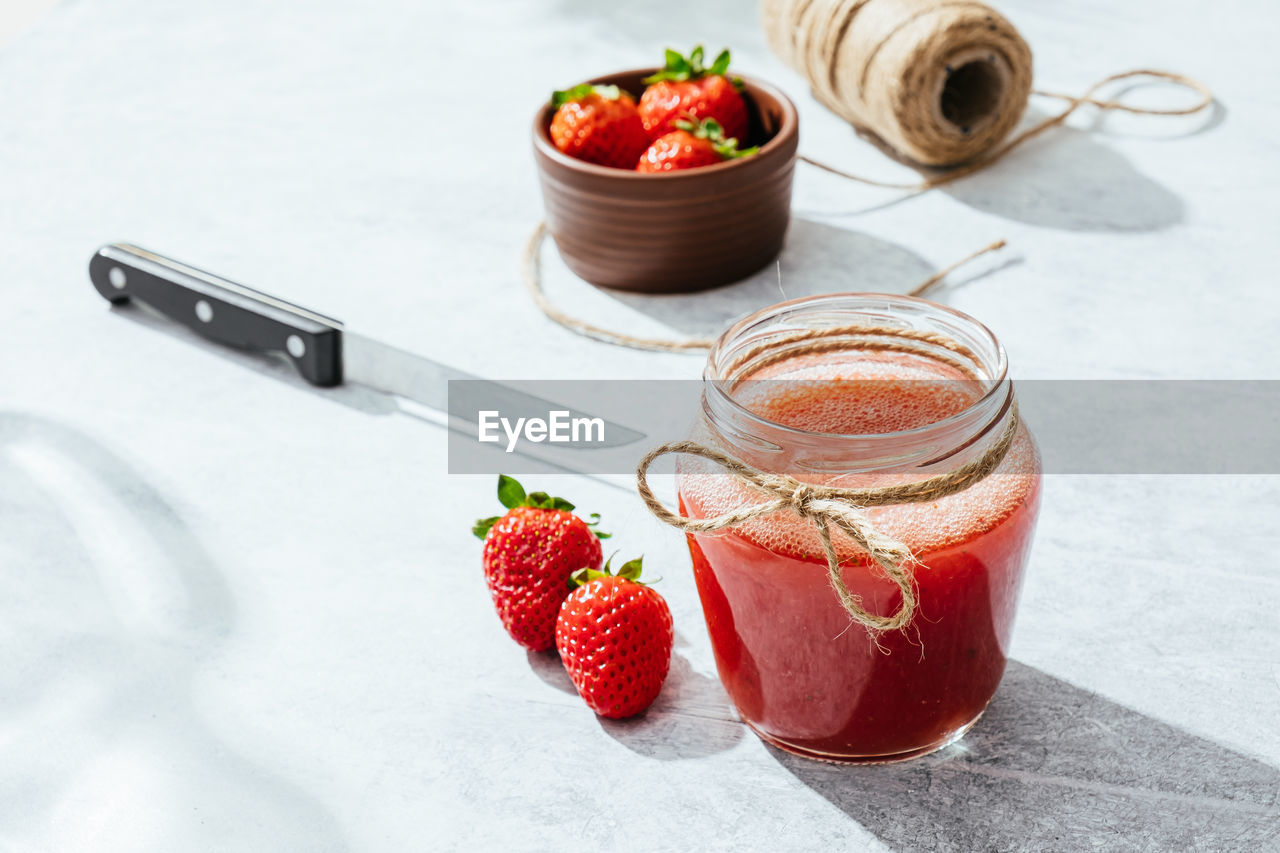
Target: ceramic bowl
x,y
674,231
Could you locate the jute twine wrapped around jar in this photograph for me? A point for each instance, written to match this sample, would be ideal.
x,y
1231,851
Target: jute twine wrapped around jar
x,y
830,508
938,82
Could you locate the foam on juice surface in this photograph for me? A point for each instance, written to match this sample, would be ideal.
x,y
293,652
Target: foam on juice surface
x,y
862,393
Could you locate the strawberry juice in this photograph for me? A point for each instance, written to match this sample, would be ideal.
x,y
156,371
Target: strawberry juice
x,y
801,673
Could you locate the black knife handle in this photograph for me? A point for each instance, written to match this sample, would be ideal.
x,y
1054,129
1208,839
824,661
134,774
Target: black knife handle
x,y
221,310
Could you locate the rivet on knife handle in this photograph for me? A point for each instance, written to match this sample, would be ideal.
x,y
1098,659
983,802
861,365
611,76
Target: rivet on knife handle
x,y
221,310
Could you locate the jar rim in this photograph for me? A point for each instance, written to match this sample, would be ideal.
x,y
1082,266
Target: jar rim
x,y
998,378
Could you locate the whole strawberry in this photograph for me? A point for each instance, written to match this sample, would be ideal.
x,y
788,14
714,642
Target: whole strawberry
x,y
598,124
690,146
614,635
529,555
684,87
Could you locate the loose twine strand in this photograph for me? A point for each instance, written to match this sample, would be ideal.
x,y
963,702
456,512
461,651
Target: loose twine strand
x,y
827,506
1074,102
531,267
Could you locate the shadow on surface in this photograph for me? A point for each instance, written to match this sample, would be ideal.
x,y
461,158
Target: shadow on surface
x,y
691,718
548,667
1068,179
275,365
1054,767
818,258
110,605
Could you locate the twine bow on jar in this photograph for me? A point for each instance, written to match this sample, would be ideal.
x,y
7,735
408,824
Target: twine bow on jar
x,y
827,507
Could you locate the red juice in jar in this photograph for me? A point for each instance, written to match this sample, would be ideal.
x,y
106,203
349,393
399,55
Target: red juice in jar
x,y
799,672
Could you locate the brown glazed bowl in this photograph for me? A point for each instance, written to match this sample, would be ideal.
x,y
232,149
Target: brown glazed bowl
x,y
673,231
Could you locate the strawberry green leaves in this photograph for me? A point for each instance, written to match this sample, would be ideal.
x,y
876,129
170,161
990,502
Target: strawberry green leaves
x,y
720,65
481,528
511,494
594,520
710,130
630,570
678,67
577,93
541,500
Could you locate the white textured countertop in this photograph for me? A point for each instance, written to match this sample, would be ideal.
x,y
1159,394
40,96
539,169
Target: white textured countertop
x,y
239,615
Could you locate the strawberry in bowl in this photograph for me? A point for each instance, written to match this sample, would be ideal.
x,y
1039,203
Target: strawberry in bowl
x,y
684,88
598,124
697,213
690,145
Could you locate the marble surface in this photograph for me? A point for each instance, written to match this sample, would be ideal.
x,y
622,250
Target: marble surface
x,y
17,15
240,614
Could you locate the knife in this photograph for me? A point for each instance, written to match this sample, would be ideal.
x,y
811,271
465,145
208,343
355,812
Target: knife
x,y
325,353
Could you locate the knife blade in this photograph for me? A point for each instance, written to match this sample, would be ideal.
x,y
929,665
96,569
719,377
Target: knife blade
x,y
325,353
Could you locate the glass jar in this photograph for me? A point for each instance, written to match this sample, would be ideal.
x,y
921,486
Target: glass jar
x,y
801,673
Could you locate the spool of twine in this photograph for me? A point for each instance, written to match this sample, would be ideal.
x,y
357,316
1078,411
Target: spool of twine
x,y
828,507
938,81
